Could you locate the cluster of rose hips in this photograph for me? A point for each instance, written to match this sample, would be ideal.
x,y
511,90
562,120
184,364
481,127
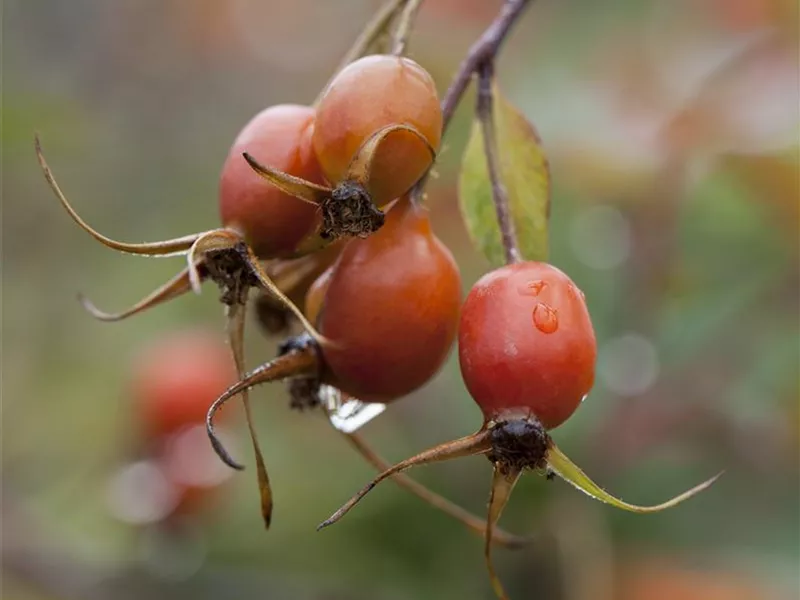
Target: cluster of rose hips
x,y
320,208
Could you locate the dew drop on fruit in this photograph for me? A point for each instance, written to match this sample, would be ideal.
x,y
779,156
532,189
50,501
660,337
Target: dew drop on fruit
x,y
532,288
545,318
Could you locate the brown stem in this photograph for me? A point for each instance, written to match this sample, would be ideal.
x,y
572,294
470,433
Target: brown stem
x,y
477,443
473,523
484,111
404,25
483,51
293,364
503,481
236,321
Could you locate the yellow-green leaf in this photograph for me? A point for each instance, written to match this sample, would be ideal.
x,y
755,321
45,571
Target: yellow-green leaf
x,y
525,175
571,473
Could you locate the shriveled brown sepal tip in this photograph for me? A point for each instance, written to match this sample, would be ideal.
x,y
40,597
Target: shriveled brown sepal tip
x,y
477,443
289,184
173,247
472,522
347,209
293,364
236,321
504,479
174,288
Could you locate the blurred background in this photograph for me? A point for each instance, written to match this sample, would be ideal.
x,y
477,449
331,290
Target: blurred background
x,y
672,131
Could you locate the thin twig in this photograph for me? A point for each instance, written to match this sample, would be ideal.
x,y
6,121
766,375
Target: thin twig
x,y
404,26
483,110
483,51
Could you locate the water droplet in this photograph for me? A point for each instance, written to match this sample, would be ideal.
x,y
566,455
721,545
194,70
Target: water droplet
x,y
532,288
545,318
575,292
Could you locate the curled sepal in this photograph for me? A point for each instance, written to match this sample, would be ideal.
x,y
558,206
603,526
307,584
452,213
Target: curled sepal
x,y
473,523
289,184
268,285
175,287
236,320
477,443
360,166
164,248
216,240
296,363
504,479
562,466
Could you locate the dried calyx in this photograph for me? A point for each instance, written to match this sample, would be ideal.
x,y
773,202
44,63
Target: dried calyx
x,y
513,445
221,255
299,364
519,443
347,209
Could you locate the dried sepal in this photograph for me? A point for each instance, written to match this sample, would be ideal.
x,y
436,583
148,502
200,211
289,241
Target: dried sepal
x,y
503,481
472,522
236,320
477,443
267,284
173,247
360,166
289,184
174,288
217,240
297,363
558,463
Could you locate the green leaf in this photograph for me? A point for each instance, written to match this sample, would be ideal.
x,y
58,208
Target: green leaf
x,y
571,473
524,172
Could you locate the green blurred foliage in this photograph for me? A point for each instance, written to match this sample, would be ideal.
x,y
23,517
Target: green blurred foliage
x,y
136,104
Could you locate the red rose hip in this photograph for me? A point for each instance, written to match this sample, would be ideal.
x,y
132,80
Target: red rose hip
x,y
526,343
271,221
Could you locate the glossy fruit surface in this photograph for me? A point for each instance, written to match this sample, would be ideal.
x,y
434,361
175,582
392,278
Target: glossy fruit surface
x,y
176,379
526,342
390,308
367,95
272,222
